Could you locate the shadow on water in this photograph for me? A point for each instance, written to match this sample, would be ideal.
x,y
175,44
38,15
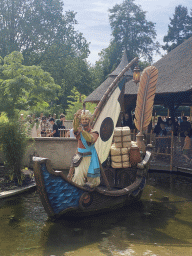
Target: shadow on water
x,y
118,229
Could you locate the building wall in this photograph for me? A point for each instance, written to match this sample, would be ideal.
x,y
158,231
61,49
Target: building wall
x,y
59,150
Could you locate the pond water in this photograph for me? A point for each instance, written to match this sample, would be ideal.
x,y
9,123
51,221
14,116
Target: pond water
x,y
161,224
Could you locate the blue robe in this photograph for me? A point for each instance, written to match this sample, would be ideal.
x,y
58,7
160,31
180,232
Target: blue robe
x,y
94,167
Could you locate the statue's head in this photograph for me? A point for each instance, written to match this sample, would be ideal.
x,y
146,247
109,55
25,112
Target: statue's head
x,y
85,118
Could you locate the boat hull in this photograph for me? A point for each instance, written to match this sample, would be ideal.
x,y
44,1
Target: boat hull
x,y
61,196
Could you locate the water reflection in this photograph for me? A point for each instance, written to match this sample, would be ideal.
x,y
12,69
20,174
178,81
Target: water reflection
x,y
158,225
117,230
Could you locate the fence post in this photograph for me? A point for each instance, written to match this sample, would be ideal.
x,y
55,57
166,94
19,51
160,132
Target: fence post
x,y
172,145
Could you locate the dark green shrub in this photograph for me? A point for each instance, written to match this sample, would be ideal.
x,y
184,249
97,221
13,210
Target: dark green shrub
x,y
13,141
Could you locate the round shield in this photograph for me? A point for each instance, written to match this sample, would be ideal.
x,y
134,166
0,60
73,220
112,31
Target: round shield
x,y
106,129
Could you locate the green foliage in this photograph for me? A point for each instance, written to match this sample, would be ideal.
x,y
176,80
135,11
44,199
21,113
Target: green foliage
x,y
75,101
179,29
109,59
131,31
97,75
3,117
39,24
143,64
71,72
47,38
13,141
24,87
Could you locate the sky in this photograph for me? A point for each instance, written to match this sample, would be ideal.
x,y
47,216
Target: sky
x,y
93,20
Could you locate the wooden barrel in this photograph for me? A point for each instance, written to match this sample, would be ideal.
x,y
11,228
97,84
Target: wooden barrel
x,y
134,156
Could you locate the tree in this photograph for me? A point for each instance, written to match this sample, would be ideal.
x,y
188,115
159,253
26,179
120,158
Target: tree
x,y
109,59
73,72
131,31
180,28
23,87
75,101
35,25
46,37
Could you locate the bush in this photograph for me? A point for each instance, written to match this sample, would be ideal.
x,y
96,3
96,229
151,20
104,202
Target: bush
x,y
13,141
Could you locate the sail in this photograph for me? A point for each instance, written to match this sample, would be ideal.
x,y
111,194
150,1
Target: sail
x,y
107,121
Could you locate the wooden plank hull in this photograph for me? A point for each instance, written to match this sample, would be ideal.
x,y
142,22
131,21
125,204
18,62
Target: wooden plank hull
x,y
60,196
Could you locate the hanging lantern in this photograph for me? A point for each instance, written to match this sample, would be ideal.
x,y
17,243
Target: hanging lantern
x,y
136,75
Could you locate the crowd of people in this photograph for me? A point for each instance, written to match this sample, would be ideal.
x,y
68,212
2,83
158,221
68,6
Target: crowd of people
x,y
44,126
164,128
52,127
173,125
180,127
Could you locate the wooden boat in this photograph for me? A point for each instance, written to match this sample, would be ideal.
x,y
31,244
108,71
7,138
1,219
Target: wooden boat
x,y
60,196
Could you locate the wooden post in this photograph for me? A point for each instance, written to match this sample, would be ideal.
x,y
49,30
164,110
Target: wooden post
x,y
104,177
190,114
171,160
151,134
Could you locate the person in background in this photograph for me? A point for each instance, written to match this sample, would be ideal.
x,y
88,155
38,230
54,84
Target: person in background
x,y
175,126
179,120
55,131
61,122
44,126
169,127
41,115
70,134
185,126
127,121
35,131
61,125
162,142
187,147
157,128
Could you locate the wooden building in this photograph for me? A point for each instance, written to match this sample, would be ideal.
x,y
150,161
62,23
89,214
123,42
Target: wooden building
x,y
174,85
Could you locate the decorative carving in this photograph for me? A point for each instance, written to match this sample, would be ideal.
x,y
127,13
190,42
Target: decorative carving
x,y
85,200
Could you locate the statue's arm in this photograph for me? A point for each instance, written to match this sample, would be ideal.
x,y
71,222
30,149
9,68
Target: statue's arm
x,y
90,136
76,121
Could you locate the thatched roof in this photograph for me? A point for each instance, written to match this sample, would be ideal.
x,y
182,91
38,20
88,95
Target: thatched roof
x,y
175,77
97,94
175,71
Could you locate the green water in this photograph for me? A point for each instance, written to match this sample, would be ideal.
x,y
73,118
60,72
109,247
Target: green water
x,y
161,224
